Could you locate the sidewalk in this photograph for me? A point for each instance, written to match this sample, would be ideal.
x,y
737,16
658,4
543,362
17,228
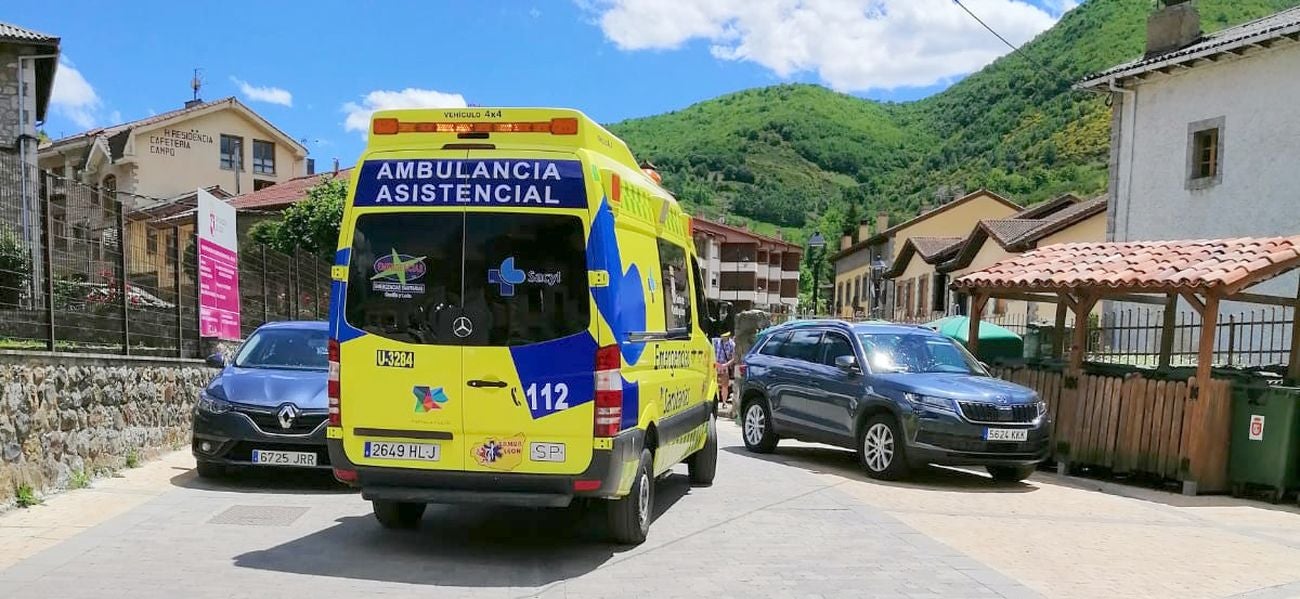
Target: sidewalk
x,y
25,532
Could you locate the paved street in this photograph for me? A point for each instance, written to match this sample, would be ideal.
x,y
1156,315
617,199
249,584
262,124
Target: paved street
x,y
802,523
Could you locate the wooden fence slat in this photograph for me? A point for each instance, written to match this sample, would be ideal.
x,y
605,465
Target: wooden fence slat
x,y
1185,434
1082,418
1053,399
1126,447
1112,400
1113,405
1171,431
1158,426
1216,438
1089,408
1138,428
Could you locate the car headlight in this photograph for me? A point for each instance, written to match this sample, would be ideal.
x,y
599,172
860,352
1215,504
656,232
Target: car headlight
x,y
1042,408
212,405
941,404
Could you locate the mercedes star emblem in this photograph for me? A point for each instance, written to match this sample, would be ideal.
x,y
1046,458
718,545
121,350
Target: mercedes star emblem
x,y
287,415
462,327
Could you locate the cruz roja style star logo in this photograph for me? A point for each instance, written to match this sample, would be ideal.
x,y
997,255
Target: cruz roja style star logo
x,y
399,267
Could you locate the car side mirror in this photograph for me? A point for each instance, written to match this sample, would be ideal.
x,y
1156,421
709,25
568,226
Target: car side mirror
x,y
216,360
847,363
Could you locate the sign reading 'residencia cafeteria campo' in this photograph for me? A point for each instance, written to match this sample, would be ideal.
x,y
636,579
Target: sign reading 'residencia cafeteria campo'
x,y
471,182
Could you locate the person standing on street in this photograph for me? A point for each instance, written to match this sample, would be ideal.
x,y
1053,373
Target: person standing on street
x,y
724,354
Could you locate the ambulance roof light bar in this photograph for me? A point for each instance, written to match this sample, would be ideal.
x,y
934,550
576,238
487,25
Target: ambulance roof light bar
x,y
555,126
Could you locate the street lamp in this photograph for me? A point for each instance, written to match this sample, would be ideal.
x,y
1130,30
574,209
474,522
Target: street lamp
x,y
816,242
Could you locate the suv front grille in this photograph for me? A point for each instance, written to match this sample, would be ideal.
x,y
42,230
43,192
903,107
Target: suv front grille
x,y
1001,414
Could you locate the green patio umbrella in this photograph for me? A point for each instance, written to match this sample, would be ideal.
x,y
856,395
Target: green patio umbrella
x,y
995,341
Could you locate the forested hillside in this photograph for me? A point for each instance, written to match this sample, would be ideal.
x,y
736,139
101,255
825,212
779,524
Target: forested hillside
x,y
799,157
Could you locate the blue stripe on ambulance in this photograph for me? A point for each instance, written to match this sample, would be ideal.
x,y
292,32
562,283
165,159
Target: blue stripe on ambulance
x,y
339,327
621,302
565,360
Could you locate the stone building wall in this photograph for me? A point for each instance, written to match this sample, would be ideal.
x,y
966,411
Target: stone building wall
x,y
61,414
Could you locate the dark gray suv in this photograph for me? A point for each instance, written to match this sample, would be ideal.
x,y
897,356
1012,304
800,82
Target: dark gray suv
x,y
900,395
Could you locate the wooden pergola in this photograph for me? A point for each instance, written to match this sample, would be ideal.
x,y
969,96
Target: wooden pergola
x,y
1204,273
1142,423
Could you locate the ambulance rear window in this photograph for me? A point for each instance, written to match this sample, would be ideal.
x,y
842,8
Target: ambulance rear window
x,y
513,278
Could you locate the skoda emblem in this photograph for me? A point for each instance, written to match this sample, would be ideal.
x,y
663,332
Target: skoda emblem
x,y
462,327
287,415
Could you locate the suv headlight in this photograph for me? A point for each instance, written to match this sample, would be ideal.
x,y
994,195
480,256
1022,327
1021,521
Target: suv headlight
x,y
1042,408
212,405
941,404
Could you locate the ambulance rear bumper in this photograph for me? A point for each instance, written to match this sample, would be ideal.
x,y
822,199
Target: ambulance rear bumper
x,y
601,479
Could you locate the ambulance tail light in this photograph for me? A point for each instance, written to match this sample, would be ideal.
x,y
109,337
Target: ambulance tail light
x,y
609,391
332,387
556,126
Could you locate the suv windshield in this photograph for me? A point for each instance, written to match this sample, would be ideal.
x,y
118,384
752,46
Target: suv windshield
x,y
291,349
894,352
518,278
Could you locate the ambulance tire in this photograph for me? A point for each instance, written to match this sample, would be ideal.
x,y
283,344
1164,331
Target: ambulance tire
x,y
398,515
629,516
703,464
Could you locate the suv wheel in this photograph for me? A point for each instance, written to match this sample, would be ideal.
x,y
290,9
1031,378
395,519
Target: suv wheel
x,y
1010,474
397,514
881,448
756,426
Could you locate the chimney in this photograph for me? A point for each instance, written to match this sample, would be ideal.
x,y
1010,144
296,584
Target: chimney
x,y
193,103
311,166
882,222
845,242
336,166
1175,24
864,229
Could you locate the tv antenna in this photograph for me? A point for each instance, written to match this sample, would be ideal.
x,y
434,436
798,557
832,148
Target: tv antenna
x,y
196,83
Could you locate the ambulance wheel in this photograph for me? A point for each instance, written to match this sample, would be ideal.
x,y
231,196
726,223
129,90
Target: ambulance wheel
x,y
629,516
397,515
703,464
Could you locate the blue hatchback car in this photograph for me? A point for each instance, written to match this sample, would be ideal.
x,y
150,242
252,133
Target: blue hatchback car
x,y
900,395
268,405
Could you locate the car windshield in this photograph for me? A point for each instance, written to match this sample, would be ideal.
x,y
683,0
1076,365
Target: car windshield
x,y
292,349
911,352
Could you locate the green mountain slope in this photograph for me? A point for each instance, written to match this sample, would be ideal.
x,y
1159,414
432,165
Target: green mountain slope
x,y
800,157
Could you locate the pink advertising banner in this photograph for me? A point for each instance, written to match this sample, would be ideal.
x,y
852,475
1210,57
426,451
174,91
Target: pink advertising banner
x,y
218,269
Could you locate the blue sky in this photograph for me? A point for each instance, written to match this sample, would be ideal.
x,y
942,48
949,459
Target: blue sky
x,y
309,70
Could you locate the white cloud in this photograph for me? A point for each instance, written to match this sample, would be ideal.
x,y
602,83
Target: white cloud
x,y
852,45
74,97
358,115
534,12
268,94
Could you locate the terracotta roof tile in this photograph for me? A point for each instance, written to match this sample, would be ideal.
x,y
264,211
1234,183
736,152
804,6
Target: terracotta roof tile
x,y
1184,264
283,194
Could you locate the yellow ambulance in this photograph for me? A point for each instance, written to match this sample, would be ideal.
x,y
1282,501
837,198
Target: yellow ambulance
x,y
517,317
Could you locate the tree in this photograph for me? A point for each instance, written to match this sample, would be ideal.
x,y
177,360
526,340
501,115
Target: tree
x,y
311,225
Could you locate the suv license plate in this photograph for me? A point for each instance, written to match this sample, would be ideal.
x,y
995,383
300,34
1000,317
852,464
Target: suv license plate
x,y
284,458
1006,434
383,450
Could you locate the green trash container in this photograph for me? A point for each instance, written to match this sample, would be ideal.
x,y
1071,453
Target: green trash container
x,y
1265,445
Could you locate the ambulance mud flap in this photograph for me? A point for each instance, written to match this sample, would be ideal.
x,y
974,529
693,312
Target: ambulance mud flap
x,y
607,466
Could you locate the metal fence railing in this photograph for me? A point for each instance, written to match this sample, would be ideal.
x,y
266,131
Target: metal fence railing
x,y
1249,339
86,268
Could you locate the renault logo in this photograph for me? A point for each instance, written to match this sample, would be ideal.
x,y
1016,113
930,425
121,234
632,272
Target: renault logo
x,y
287,415
462,327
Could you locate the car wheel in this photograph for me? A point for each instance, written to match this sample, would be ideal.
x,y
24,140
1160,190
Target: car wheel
x,y
704,463
398,515
209,470
629,516
881,448
756,426
1010,474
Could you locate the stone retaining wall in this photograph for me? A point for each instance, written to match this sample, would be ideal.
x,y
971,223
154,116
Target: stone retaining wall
x,y
61,414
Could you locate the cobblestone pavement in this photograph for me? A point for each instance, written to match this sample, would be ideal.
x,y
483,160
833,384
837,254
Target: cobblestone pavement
x,y
801,523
